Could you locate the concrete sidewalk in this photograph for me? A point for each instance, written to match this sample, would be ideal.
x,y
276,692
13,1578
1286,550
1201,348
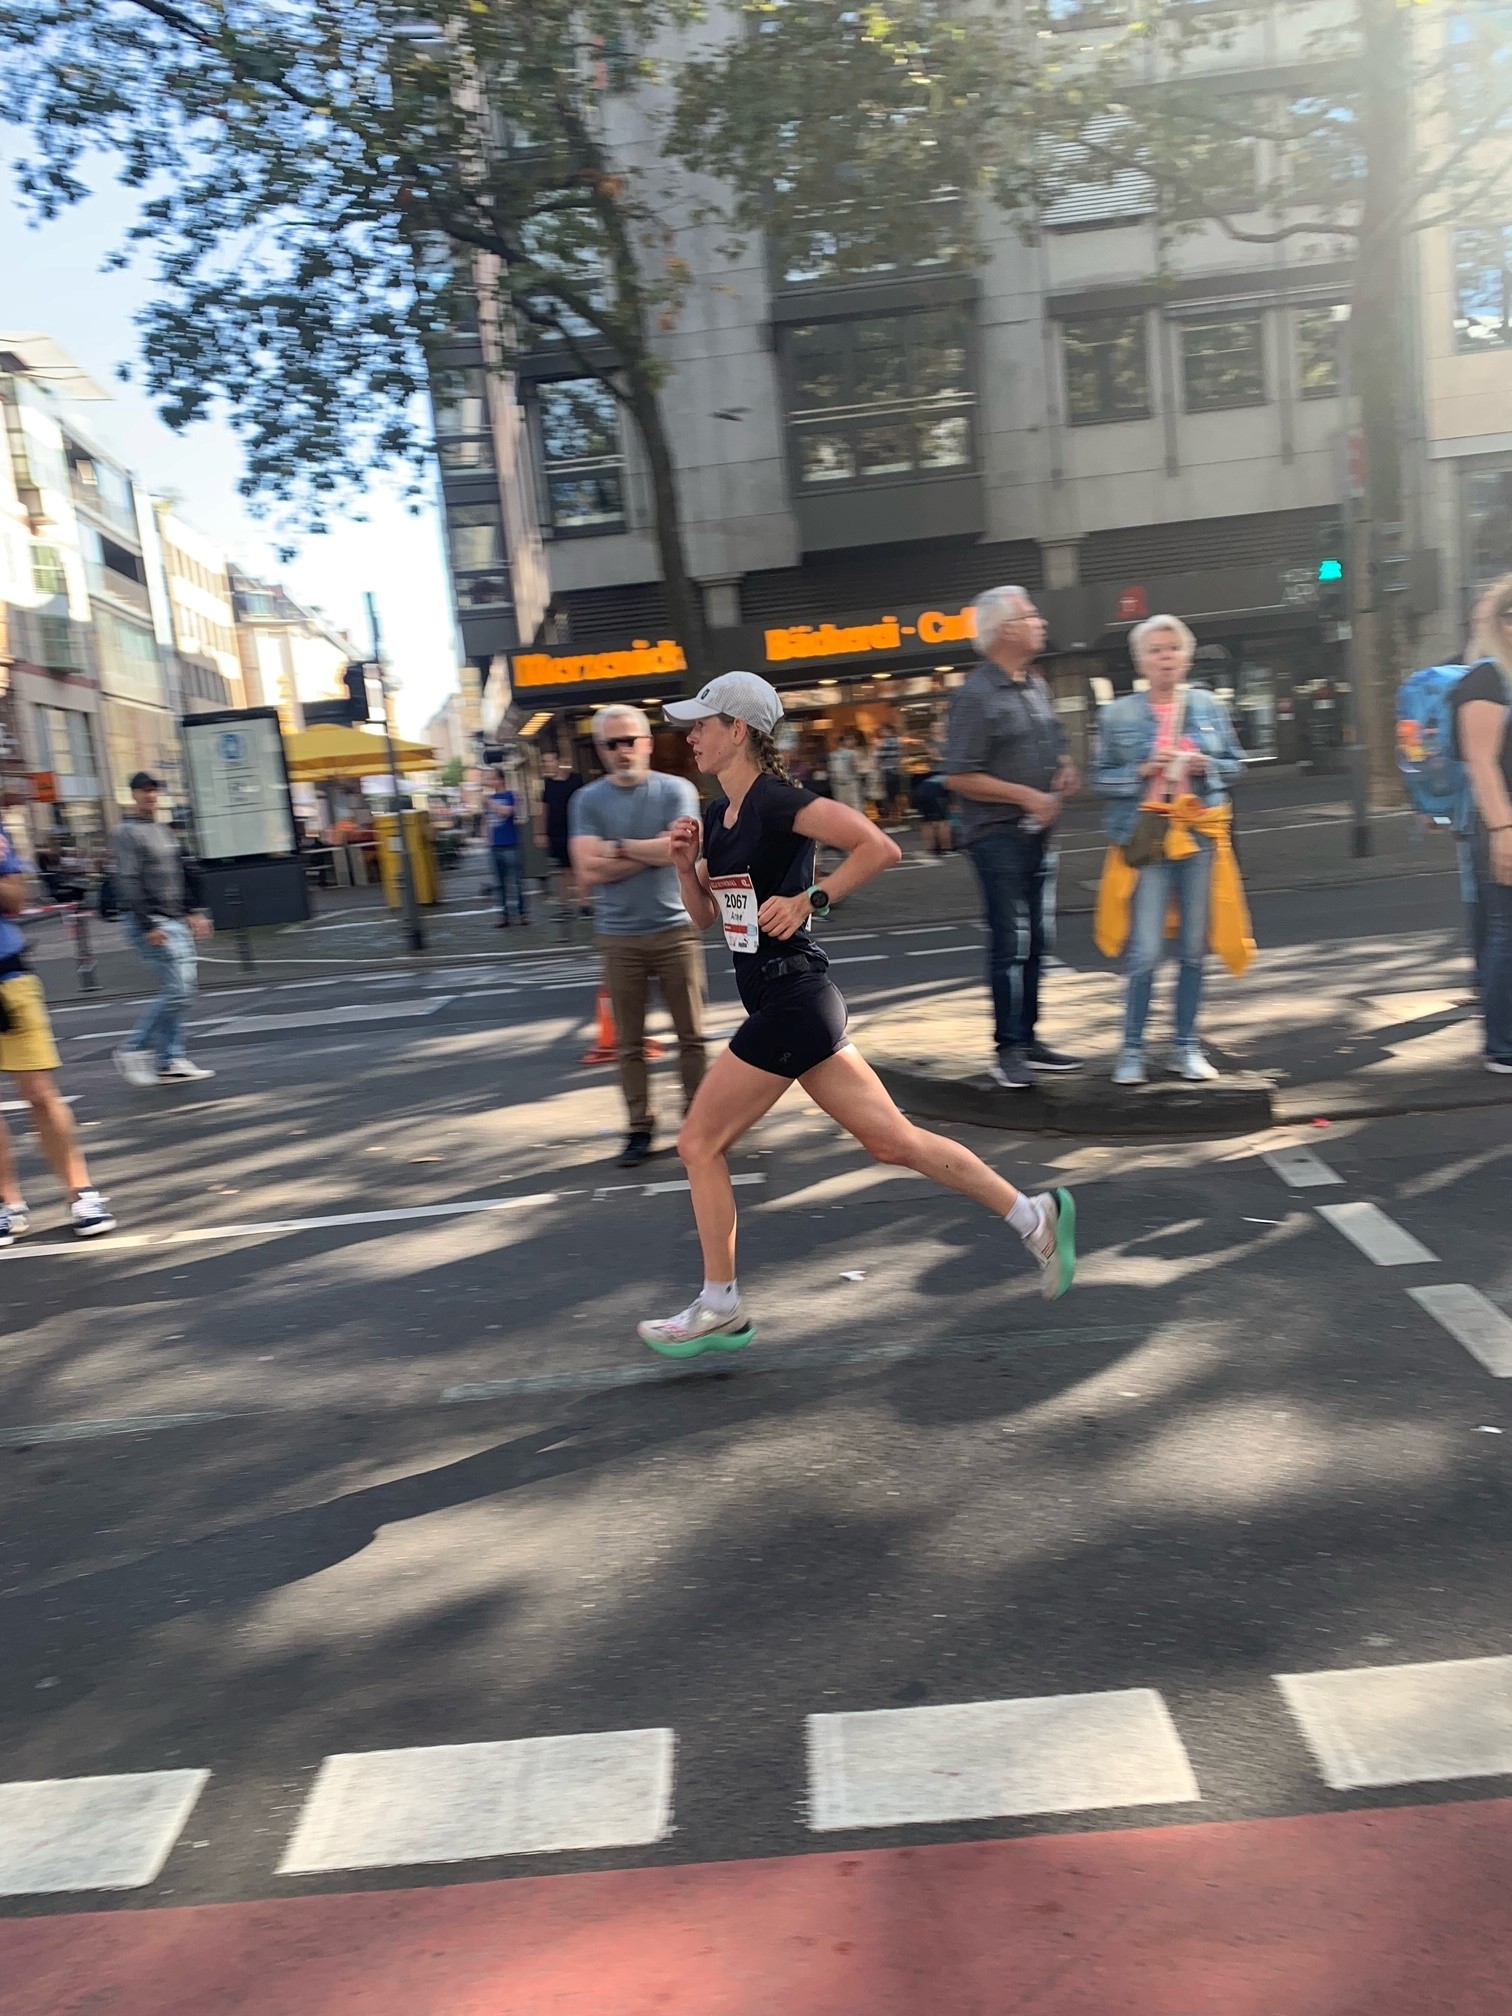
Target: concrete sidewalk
x,y
1318,1030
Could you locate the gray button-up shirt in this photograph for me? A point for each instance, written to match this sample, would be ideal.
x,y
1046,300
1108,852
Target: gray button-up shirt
x,y
1005,728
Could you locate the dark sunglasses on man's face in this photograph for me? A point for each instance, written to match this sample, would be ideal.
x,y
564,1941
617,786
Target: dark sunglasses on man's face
x,y
621,742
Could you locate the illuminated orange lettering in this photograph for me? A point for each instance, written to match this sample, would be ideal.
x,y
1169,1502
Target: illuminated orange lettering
x,y
540,668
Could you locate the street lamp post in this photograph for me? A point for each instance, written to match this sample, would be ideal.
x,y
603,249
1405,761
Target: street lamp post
x,y
1359,762
412,930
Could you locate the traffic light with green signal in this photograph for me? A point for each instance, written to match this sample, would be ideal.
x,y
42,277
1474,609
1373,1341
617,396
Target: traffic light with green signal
x,y
1333,582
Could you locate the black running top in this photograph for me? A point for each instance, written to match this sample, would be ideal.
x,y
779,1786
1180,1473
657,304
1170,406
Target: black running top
x,y
762,851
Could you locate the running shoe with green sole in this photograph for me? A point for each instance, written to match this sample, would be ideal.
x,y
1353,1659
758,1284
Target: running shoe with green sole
x,y
695,1330
1054,1246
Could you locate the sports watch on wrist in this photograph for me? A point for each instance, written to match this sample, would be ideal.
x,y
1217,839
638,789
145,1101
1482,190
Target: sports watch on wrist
x,y
819,902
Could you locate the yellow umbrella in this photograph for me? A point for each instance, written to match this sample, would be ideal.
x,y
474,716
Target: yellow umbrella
x,y
348,752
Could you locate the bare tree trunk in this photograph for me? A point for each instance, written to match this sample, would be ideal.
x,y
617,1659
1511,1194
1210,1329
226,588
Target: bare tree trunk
x,y
1379,353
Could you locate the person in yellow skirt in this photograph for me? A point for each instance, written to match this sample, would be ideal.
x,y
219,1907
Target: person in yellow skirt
x,y
29,1055
1165,761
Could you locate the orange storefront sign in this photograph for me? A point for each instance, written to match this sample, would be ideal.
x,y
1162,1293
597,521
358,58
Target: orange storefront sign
x,y
643,660
805,642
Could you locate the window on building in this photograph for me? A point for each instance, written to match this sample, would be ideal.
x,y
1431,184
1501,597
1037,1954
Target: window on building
x,y
582,455
1483,288
129,663
854,241
881,399
48,576
68,748
480,565
1223,364
1486,498
1107,370
464,437
59,645
1082,13
1318,340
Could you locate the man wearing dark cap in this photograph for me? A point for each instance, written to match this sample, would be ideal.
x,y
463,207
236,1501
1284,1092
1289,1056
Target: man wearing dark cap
x,y
159,892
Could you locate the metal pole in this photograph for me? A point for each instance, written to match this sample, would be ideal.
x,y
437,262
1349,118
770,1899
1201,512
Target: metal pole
x,y
84,959
412,929
1360,843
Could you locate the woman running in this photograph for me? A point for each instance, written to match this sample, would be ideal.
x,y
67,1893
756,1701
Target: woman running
x,y
756,878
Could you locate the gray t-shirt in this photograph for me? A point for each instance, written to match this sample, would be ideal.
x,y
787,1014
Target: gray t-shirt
x,y
1005,728
650,900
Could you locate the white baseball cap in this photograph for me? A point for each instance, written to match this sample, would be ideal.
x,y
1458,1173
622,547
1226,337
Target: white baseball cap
x,y
741,695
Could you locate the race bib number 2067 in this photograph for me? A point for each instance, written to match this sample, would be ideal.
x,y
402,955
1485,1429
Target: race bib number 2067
x,y
736,897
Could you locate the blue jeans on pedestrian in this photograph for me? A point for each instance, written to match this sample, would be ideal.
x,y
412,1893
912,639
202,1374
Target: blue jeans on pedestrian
x,y
1017,874
508,874
1496,953
161,1029
1187,884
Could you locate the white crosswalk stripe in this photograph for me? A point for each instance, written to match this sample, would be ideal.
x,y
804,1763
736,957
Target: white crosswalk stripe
x,y
1472,1320
1301,1169
1405,1725
92,1833
463,1801
1063,1753
1378,1237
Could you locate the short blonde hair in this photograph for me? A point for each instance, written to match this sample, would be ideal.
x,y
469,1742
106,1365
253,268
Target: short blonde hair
x,y
1141,634
1487,636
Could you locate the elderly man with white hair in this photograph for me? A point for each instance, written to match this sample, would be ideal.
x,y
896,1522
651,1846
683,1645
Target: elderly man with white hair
x,y
1006,759
618,842
1170,743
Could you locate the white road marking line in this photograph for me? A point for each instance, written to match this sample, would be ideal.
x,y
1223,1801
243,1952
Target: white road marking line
x,y
658,1189
1300,1169
92,1833
455,1802
1064,1753
1378,1237
26,1249
1405,1725
1472,1320
922,930
20,1105
861,959
325,1018
938,951
94,1431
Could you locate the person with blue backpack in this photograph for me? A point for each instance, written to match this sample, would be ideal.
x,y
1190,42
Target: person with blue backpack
x,y
1482,703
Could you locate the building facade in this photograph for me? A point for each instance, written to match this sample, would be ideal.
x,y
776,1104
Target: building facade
x,y
288,654
1114,421
201,617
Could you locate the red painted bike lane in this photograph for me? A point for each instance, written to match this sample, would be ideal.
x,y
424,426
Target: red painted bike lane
x,y
1404,1912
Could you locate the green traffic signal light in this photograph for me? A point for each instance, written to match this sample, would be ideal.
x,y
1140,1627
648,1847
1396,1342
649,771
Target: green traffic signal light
x,y
1330,570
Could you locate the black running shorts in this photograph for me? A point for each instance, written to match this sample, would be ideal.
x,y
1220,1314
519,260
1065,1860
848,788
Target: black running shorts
x,y
797,1023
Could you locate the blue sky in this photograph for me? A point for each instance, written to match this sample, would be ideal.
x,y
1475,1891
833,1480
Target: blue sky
x,y
50,281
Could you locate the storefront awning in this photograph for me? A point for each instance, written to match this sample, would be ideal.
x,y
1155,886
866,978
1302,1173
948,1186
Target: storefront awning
x,y
321,753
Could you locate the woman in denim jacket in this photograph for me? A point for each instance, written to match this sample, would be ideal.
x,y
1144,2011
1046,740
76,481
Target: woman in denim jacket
x,y
1172,740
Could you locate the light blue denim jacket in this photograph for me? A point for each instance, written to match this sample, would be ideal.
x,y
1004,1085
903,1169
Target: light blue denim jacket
x,y
1126,738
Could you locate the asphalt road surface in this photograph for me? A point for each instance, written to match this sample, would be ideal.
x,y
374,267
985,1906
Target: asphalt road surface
x,y
335,1493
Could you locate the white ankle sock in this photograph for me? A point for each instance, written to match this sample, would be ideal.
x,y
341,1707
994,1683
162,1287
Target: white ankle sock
x,y
721,1296
1026,1217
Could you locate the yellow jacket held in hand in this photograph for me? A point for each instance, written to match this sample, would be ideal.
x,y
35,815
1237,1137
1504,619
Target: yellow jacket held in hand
x,y
1229,933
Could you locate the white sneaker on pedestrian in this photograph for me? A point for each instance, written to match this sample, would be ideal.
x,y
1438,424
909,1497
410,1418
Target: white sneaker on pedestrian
x,y
1503,1064
90,1215
697,1329
135,1066
1053,1245
1130,1070
7,1230
182,1068
1192,1065
20,1218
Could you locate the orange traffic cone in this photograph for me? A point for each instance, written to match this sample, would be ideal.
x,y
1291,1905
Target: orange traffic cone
x,y
605,1048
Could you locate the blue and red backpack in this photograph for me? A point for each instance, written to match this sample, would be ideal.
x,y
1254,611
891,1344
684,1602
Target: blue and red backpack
x,y
1436,779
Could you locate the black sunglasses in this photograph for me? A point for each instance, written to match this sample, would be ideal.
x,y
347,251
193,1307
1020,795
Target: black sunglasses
x,y
621,741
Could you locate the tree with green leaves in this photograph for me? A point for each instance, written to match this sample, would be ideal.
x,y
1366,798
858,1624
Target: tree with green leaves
x,y
325,184
1383,118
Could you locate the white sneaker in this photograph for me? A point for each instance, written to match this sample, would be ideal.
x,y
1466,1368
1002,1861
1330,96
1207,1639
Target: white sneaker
x,y
182,1069
90,1215
20,1218
1130,1070
7,1230
1193,1066
135,1066
697,1329
1503,1064
1054,1244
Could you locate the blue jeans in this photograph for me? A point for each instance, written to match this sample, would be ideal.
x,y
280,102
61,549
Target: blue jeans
x,y
507,873
161,1029
1496,953
1187,884
1017,874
